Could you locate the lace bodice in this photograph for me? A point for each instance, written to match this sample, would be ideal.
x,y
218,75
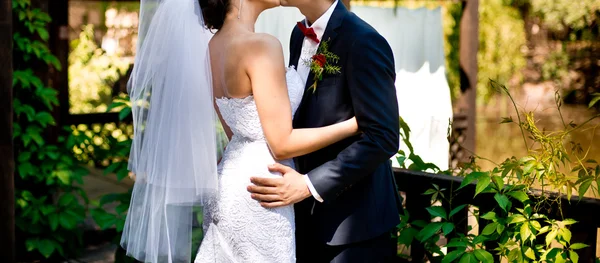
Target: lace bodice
x,y
237,228
241,115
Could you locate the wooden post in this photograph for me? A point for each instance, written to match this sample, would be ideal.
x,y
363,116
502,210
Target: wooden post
x,y
469,46
7,201
59,46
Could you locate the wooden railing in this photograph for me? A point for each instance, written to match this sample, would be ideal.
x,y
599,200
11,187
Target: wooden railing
x,y
413,184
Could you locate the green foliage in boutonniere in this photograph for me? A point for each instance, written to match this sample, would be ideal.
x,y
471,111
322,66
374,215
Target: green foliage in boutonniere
x,y
323,62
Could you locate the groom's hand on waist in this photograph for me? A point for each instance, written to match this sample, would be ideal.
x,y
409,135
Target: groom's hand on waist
x,y
287,190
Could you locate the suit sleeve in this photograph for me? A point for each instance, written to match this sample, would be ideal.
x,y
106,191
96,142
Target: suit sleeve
x,y
371,81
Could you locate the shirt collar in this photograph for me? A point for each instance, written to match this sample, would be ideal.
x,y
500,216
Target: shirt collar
x,y
321,24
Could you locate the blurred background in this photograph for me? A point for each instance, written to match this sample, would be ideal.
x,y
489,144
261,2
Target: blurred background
x,y
72,129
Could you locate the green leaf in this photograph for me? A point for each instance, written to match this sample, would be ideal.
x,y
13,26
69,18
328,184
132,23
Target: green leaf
x,y
482,184
584,187
544,230
456,210
124,113
420,223
498,181
525,232
46,247
453,255
506,120
447,228
66,221
36,136
407,235
119,225
594,100
574,256
45,118
63,176
551,236
121,174
111,168
430,192
32,244
468,258
565,234
457,243
552,253
489,229
521,196
529,253
53,220
515,255
483,255
52,60
471,177
429,230
67,199
502,201
43,33
489,216
103,218
437,211
116,104
26,169
535,224
24,156
575,246
500,228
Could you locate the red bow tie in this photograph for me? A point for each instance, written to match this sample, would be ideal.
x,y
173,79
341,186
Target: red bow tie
x,y
308,32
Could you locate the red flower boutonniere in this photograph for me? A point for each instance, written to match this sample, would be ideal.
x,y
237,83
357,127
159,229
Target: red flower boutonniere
x,y
323,62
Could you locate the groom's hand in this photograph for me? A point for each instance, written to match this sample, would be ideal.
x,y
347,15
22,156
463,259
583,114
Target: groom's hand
x,y
277,192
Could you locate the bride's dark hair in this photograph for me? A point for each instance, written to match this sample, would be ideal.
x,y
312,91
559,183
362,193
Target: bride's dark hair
x,y
214,12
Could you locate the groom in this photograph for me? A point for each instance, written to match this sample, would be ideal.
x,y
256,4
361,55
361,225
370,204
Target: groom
x,y
345,199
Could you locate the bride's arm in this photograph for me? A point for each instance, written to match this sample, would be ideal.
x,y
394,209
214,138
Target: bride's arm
x,y
267,74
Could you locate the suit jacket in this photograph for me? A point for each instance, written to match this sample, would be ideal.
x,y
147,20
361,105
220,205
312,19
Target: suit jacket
x,y
353,176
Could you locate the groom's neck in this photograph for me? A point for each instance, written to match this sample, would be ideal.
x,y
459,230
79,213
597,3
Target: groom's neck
x,y
315,10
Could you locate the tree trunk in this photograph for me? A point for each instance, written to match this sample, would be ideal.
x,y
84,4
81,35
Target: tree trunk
x,y
469,46
7,209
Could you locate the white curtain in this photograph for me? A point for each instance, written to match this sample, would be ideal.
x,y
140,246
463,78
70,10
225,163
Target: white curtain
x,y
417,41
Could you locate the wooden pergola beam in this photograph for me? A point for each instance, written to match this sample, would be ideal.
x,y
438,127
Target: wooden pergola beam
x,y
7,165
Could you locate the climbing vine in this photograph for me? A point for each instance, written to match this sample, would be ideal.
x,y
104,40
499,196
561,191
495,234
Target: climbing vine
x,y
49,206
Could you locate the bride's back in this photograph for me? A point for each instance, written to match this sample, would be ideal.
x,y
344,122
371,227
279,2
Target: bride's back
x,y
228,54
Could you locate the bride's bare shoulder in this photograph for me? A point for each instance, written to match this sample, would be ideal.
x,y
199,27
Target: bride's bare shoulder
x,y
259,44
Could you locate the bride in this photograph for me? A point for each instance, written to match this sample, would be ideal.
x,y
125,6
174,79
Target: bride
x,y
183,75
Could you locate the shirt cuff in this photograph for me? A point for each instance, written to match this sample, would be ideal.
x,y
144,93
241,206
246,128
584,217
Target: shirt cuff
x,y
312,189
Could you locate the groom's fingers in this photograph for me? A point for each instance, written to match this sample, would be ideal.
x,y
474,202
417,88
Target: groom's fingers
x,y
266,198
279,168
272,204
265,181
261,189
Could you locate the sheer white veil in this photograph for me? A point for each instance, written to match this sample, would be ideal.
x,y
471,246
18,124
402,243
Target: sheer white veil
x,y
174,150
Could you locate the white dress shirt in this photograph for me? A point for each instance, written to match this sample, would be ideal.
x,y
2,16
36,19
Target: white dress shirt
x,y
309,49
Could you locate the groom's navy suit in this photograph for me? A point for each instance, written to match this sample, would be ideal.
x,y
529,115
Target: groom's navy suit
x,y
354,176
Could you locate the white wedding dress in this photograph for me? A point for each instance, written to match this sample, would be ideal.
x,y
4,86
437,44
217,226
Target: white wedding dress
x,y
237,228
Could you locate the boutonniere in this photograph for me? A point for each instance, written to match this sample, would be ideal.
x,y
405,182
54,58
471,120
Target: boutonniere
x,y
323,62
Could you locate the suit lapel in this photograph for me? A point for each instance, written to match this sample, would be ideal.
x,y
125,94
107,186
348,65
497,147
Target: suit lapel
x,y
296,46
335,22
